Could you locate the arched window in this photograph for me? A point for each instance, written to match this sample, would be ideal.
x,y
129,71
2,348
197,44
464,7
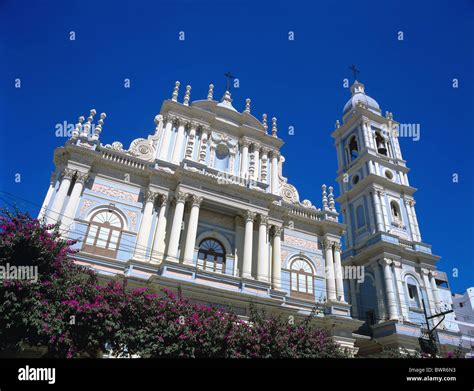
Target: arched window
x,y
211,256
413,294
395,212
380,143
104,233
353,148
302,279
222,157
360,216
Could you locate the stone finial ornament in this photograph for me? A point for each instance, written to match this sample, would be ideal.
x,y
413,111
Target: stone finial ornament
x,y
210,93
77,129
338,124
86,128
247,105
174,97
274,127
187,95
98,128
331,199
264,121
158,119
324,197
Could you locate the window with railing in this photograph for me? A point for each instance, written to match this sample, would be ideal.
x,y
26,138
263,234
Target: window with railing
x,y
211,256
103,234
302,279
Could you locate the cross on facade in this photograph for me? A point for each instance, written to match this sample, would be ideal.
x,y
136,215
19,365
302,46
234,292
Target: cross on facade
x,y
230,79
355,71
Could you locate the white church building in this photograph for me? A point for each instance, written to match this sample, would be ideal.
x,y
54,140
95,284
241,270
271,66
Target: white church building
x,y
201,206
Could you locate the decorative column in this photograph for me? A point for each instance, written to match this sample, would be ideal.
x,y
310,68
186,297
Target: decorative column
x,y
276,255
397,267
391,300
368,139
180,199
145,226
245,158
415,220
365,131
338,272
212,153
165,143
355,310
44,207
379,291
73,202
191,139
426,281
248,245
373,222
434,288
350,240
410,220
274,180
360,137
256,159
232,152
378,211
158,251
406,179
54,215
330,282
158,134
262,265
239,243
203,146
371,167
264,166
178,145
192,230
251,165
384,209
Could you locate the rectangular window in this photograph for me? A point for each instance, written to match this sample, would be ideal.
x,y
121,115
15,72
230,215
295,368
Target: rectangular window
x,y
114,240
302,283
91,235
103,237
310,285
294,277
210,263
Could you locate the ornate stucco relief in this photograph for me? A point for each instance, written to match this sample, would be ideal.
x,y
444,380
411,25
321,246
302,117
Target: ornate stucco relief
x,y
115,193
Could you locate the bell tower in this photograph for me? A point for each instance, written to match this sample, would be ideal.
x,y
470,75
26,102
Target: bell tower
x,y
382,232
370,159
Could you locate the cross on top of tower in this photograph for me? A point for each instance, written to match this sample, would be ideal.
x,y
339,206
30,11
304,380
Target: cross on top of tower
x,y
230,79
355,71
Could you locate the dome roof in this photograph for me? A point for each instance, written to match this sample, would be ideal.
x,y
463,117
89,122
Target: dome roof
x,y
359,95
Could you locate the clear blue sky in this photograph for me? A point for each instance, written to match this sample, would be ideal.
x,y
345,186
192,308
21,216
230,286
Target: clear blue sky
x,y
299,81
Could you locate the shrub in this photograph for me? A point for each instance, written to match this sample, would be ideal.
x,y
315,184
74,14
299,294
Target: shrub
x,y
69,312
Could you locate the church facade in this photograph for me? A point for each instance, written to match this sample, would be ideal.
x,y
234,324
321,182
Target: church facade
x,y
201,206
